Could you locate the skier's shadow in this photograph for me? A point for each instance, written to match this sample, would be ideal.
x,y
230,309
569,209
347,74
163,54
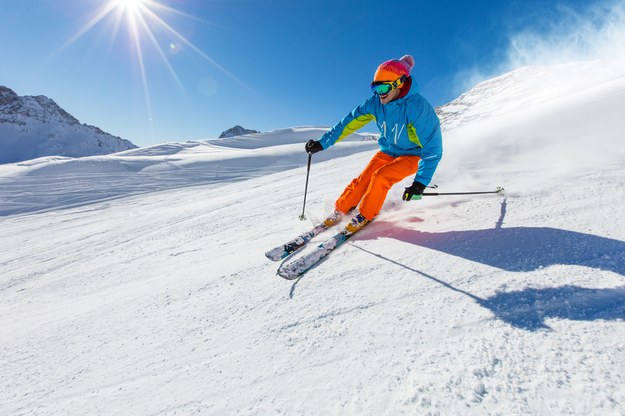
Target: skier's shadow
x,y
528,308
524,249
519,249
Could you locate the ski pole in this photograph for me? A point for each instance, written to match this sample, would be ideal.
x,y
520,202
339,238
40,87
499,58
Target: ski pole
x,y
499,190
303,217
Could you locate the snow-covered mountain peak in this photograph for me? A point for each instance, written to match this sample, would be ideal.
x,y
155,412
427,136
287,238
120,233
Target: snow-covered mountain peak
x,y
15,109
236,131
36,126
7,95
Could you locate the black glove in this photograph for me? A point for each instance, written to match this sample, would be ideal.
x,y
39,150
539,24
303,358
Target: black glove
x,y
313,146
413,192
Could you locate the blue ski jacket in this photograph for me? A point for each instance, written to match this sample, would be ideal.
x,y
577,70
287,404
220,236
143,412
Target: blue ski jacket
x,y
408,126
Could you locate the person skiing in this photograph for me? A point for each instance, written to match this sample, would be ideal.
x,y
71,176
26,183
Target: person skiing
x,y
410,143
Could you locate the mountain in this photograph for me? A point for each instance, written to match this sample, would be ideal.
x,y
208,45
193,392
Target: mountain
x,y
32,127
236,131
135,283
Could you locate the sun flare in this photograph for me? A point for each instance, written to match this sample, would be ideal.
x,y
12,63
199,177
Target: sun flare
x,y
148,32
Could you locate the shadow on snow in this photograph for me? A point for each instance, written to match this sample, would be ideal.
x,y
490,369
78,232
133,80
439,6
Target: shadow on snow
x,y
525,249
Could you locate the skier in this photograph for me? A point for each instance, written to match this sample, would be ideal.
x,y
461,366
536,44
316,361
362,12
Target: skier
x,y
410,143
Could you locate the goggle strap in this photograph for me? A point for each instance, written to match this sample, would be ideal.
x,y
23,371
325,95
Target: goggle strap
x,y
398,81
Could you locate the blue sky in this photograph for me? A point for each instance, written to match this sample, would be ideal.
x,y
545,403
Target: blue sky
x,y
268,64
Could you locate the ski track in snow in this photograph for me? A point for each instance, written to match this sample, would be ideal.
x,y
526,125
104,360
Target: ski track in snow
x,y
136,283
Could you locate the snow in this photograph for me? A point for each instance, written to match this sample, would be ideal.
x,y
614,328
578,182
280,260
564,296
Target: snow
x,y
135,283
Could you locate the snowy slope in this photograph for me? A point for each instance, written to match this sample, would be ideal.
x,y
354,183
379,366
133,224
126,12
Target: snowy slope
x,y
512,91
42,184
157,299
32,127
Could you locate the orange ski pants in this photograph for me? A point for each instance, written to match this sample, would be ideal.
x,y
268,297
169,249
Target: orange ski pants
x,y
371,187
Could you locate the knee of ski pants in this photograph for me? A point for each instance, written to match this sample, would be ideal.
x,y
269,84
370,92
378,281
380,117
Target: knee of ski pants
x,y
383,179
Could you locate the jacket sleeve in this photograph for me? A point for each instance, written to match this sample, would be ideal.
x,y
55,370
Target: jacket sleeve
x,y
353,121
428,128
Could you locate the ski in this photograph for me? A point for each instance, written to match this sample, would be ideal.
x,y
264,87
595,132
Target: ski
x,y
285,250
296,268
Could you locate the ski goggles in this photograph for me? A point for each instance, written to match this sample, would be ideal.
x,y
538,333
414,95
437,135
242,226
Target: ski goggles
x,y
384,87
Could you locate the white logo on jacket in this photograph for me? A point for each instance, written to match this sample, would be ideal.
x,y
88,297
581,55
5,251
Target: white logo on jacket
x,y
396,130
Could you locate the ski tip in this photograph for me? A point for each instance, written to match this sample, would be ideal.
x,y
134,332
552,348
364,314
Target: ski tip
x,y
287,276
280,253
273,256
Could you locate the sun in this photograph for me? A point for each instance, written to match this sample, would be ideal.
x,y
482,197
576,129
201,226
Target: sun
x,y
132,8
131,4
